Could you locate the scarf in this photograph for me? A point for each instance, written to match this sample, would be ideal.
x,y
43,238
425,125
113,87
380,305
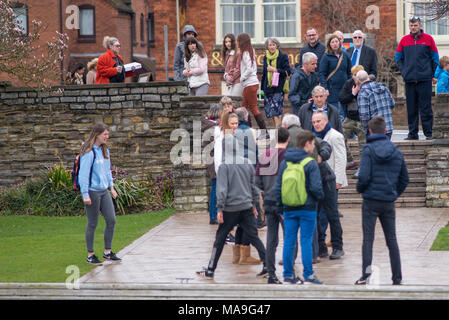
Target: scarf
x,y
271,61
323,133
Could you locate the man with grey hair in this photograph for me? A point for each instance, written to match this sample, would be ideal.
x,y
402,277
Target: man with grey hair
x,y
313,45
361,54
374,99
302,82
318,102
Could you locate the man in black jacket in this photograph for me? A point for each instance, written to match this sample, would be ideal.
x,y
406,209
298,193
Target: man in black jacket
x,y
383,178
313,45
361,54
302,82
319,97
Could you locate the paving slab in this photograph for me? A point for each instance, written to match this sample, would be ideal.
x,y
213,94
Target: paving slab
x,y
181,245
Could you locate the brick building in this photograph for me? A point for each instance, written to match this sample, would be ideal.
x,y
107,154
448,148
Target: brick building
x,y
139,25
87,22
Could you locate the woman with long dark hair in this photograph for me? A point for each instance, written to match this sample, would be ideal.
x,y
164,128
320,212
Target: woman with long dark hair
x,y
232,59
248,77
195,67
95,181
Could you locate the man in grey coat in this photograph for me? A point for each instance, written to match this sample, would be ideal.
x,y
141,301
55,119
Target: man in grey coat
x,y
178,63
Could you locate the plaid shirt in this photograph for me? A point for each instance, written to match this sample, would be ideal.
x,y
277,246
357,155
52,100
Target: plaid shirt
x,y
374,99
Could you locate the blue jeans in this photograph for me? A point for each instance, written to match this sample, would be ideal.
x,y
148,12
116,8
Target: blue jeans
x,y
306,221
213,200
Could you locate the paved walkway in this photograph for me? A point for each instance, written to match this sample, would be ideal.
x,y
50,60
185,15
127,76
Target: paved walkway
x,y
181,245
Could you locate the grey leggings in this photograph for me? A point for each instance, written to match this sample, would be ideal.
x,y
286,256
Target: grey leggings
x,y
199,91
101,201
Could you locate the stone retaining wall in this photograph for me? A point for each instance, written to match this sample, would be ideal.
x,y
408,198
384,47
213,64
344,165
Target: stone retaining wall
x,y
41,129
437,173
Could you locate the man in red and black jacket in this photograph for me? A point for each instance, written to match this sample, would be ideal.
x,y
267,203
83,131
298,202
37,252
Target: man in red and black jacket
x,y
417,58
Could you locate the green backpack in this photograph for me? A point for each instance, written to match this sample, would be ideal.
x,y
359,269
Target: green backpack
x,y
294,192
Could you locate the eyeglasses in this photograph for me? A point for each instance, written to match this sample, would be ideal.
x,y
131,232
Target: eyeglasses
x,y
414,19
357,37
117,45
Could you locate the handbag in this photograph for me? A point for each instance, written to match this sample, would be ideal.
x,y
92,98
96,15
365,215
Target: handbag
x,y
286,88
335,70
275,79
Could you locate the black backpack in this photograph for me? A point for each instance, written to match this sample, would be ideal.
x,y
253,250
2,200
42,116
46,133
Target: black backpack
x,y
76,169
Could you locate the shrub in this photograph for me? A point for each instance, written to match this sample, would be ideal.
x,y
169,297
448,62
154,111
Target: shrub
x,y
50,193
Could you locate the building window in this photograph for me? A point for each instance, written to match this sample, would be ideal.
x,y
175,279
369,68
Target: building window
x,y
142,29
21,12
279,18
259,18
437,27
86,32
238,16
150,23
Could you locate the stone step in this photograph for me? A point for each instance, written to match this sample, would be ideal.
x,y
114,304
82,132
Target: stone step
x,y
407,191
216,291
413,182
356,202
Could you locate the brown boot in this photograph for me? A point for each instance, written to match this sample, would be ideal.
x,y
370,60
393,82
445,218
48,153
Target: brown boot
x,y
245,256
235,254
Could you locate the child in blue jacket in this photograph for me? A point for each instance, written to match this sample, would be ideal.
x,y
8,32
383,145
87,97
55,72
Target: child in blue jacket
x,y
442,74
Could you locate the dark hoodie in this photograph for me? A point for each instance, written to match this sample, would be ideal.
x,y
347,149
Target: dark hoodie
x,y
313,180
383,174
266,175
178,60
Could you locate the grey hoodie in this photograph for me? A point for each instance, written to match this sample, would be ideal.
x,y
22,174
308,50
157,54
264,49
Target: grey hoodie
x,y
236,188
178,63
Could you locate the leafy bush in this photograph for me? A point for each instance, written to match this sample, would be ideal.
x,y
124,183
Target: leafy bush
x,y
50,193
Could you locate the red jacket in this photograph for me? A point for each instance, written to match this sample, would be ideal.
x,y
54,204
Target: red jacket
x,y
106,69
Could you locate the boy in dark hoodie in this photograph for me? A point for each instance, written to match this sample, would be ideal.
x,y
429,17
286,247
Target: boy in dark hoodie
x,y
305,216
383,178
266,175
236,200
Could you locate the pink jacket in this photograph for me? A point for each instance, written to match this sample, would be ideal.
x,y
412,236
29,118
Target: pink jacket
x,y
232,68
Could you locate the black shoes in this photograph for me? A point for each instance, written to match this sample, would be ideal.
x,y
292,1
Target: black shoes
x,y
336,254
411,138
263,273
274,280
213,221
111,256
206,273
293,280
93,260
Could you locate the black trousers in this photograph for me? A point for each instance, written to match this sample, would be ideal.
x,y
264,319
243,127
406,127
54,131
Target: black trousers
x,y
419,103
330,207
245,219
274,219
385,211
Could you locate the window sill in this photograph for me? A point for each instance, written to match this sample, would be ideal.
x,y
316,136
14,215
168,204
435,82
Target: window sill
x,y
87,39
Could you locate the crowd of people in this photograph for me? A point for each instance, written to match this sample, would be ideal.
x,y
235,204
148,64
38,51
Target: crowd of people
x,y
334,96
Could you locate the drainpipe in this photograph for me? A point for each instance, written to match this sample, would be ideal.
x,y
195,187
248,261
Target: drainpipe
x,y
61,31
177,21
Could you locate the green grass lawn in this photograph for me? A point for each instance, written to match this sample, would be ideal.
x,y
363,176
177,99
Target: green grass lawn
x,y
442,240
39,249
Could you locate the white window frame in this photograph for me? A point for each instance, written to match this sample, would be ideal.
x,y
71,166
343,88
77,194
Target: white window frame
x,y
405,11
259,23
